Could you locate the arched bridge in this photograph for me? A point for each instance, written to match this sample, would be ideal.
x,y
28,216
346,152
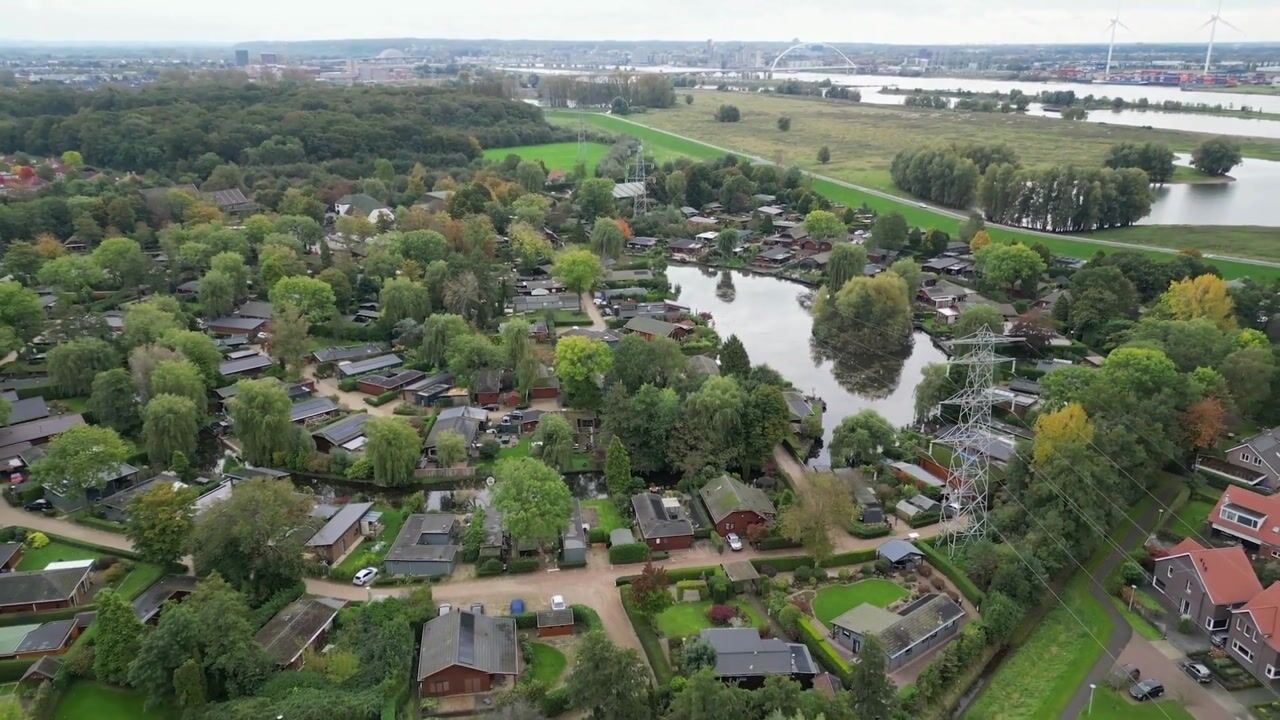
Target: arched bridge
x,y
847,62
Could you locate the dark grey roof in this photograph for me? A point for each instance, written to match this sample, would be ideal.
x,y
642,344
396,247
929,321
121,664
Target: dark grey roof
x,y
7,551
22,588
408,545
921,618
464,426
621,536
393,382
38,430
572,536
658,521
650,326
368,365
741,652
740,571
246,324
255,309
555,618
146,605
896,550
727,495
353,352
46,667
48,637
225,199
1267,446
311,407
475,641
253,362
344,430
341,522
554,301
286,635
26,410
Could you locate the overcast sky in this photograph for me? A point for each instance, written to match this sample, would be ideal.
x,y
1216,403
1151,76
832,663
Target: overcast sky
x,y
898,21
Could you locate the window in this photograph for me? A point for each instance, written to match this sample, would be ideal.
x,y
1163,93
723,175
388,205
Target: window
x,y
1159,584
1184,607
1241,650
1188,587
1246,457
1275,552
1211,624
1169,572
1237,516
1272,672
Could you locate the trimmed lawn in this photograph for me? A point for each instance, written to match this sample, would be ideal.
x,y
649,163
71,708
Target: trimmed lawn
x,y
143,576
607,516
519,450
1139,624
834,600
556,156
547,664
365,555
1190,519
1037,679
53,552
1109,704
685,619
85,699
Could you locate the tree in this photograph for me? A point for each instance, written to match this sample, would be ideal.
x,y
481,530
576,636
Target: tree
x,y
438,332
289,337
314,298
578,361
160,522
260,418
975,317
824,154
451,449
644,423
709,432
909,271
824,225
766,422
83,457
462,294
934,387
146,322
170,424
979,240
113,401
529,245
121,259
866,312
73,365
251,538
513,336
20,310
847,262
578,269
871,693
889,231
1068,425
860,439
810,519
199,348
649,591
594,197
556,437
1007,266
1216,156
1203,423
469,354
606,238
188,685
734,360
393,450
617,473
1155,159
1205,296
727,114
181,378
706,697
276,262
784,123
1249,373
531,176
118,635
534,501
217,294
608,682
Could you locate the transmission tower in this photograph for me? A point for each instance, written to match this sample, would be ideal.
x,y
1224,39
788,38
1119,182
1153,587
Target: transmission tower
x,y
639,175
582,138
972,435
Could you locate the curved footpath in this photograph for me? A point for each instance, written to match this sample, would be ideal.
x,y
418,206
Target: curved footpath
x,y
948,211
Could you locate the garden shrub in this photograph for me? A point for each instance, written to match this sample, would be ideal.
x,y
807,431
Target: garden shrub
x,y
555,702
659,555
37,540
347,385
802,573
628,553
720,615
871,530
522,565
720,588
382,399
491,566
525,620
597,535
776,543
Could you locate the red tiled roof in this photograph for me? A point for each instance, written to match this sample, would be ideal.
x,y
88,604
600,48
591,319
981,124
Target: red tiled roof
x,y
1264,608
1266,505
1226,574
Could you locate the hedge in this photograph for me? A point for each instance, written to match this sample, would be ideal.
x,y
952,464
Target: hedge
x,y
100,523
571,565
597,535
11,670
525,620
42,616
347,384
868,530
648,640
555,702
382,399
854,557
944,565
522,565
924,518
126,554
659,555
628,553
822,651
586,617
777,543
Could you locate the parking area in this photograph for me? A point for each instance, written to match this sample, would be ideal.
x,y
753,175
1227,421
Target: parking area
x,y
1162,660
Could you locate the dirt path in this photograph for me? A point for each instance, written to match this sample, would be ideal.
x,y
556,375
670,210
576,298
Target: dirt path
x,y
11,516
351,400
593,312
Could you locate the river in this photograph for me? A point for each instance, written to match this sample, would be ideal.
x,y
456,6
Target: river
x,y
1250,200
775,330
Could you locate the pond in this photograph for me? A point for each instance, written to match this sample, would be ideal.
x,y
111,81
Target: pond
x,y
1250,200
764,313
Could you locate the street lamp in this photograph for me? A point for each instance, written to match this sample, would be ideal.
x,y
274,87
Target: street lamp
x,y
1133,590
1092,687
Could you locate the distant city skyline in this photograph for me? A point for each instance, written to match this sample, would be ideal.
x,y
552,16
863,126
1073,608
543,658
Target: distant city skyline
x,y
903,22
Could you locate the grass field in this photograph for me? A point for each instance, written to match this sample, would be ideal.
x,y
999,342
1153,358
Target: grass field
x,y
1109,704
607,515
924,217
1038,679
85,699
556,156
833,600
1185,174
1241,240
53,552
547,664
142,576
685,619
1190,519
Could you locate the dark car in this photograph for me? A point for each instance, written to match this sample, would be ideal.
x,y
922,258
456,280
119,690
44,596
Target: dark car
x,y
1219,639
1198,671
38,505
1146,690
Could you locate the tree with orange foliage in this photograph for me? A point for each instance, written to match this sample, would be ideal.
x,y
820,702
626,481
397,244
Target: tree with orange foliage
x,y
624,227
1204,296
980,240
1203,422
1068,426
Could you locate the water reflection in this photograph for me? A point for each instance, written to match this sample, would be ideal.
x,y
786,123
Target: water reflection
x,y
1250,200
872,375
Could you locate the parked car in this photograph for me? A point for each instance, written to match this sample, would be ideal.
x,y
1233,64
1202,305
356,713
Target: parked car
x,y
517,415
489,408
1219,639
517,606
444,609
477,608
1198,671
735,542
38,505
558,603
1148,689
364,576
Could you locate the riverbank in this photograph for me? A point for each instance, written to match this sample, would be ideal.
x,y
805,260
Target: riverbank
x,y
1102,102
1191,176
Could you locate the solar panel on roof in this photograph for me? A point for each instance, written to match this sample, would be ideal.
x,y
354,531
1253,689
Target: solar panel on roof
x,y
467,639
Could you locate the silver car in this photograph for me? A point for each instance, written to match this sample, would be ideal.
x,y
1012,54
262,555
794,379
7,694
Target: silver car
x,y
1198,671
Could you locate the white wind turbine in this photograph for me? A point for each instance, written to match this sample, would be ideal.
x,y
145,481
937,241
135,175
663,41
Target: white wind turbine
x,y
1212,24
1115,23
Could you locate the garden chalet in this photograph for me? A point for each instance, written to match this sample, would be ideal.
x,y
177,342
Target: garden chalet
x,y
341,531
925,623
347,433
735,506
465,652
36,590
424,547
247,366
347,354
355,368
37,640
742,656
300,625
662,521
312,410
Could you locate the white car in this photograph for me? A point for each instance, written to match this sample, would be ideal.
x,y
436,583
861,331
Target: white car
x,y
364,576
558,603
735,542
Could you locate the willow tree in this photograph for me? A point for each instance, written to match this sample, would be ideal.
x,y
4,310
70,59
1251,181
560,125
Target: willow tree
x,y
260,418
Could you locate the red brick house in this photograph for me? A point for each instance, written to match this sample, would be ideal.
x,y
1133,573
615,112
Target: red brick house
x,y
735,506
464,653
31,591
662,522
